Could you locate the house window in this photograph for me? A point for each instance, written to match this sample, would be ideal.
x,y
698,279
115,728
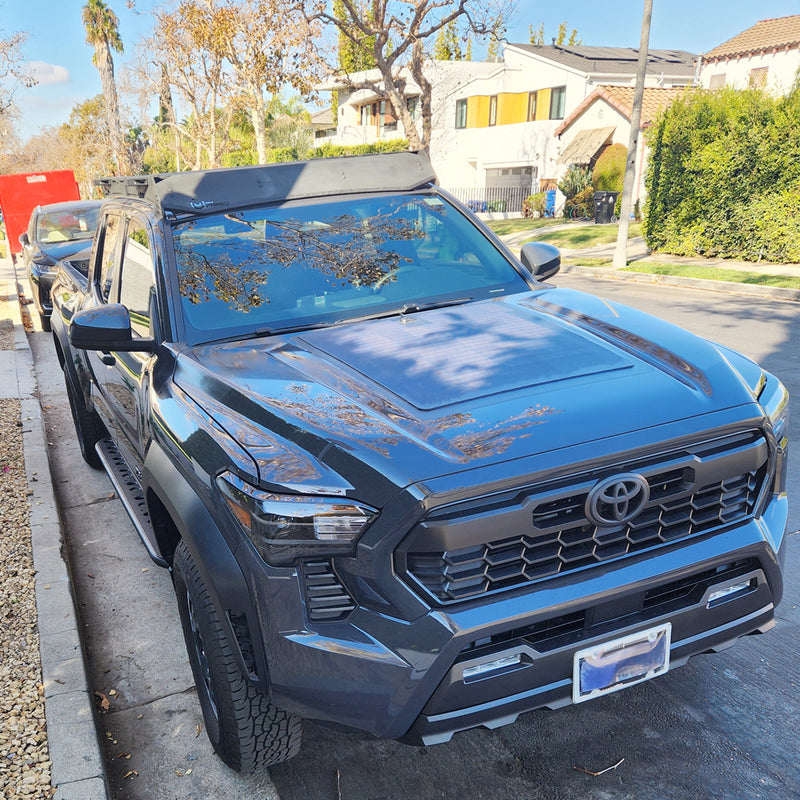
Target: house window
x,y
461,113
367,114
758,77
717,81
414,107
493,110
531,106
558,97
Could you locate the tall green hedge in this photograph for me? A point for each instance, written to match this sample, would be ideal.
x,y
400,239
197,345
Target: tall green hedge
x,y
723,179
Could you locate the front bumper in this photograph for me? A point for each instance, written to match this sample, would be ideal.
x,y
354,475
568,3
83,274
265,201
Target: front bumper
x,y
404,679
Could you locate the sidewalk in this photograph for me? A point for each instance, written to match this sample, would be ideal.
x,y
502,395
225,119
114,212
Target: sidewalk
x,y
76,765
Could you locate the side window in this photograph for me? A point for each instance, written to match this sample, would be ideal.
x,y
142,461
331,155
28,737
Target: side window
x,y
137,280
461,113
558,97
108,257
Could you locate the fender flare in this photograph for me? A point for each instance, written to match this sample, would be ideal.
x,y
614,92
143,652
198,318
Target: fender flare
x,y
213,556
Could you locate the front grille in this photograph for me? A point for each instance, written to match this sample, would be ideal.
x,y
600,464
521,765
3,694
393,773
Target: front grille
x,y
578,626
559,537
326,599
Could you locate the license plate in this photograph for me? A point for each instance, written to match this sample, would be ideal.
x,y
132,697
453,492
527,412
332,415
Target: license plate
x,y
612,666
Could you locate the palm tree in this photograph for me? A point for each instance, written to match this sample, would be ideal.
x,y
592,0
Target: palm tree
x,y
102,33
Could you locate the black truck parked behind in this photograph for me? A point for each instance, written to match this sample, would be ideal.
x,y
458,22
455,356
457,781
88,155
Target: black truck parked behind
x,y
402,485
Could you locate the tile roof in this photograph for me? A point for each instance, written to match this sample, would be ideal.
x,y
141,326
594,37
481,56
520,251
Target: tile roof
x,y
613,60
654,101
765,35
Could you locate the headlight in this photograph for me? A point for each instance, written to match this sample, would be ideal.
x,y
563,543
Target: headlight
x,y
287,527
774,399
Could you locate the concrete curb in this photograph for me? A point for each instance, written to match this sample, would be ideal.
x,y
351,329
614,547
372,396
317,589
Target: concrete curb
x,y
728,287
77,767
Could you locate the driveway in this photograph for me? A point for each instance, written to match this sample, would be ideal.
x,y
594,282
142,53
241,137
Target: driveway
x,y
725,727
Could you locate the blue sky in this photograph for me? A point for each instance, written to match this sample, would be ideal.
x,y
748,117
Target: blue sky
x,y
63,61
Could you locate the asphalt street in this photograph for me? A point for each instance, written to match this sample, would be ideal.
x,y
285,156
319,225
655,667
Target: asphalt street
x,y
725,727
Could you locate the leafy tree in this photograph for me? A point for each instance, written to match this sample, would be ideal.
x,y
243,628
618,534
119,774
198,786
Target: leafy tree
x,y
189,42
448,44
268,45
102,33
536,35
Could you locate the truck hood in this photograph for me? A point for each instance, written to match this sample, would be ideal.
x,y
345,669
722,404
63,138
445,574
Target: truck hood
x,y
413,397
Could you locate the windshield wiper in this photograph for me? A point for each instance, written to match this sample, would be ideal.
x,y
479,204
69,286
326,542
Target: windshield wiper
x,y
408,308
415,308
260,333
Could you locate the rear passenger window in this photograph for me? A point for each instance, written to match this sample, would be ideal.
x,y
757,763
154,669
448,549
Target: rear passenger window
x,y
108,258
138,280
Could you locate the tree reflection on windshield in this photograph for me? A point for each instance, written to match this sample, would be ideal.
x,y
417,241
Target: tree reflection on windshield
x,y
237,270
330,261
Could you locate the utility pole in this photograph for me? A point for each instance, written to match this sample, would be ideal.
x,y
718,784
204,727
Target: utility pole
x,y
621,253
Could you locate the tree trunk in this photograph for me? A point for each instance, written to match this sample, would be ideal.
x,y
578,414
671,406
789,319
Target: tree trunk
x,y
257,115
426,110
105,66
397,99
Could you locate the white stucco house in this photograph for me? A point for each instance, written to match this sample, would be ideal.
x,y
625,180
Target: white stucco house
x,y
604,118
765,56
494,124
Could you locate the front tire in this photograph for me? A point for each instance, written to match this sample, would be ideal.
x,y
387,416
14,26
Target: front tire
x,y
245,729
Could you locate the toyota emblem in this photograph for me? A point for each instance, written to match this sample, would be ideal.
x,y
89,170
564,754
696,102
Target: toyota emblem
x,y
617,500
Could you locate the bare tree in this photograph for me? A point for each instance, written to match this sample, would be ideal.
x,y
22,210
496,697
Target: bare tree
x,y
399,32
12,75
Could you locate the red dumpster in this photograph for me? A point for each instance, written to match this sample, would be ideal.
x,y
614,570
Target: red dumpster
x,y
21,193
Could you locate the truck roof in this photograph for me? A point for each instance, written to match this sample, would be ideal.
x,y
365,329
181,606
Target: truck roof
x,y
215,189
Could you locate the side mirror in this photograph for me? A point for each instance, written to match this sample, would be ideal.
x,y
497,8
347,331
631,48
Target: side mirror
x,y
24,240
540,259
106,328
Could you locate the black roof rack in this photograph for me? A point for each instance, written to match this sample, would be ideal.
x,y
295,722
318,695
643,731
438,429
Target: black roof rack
x,y
127,185
212,190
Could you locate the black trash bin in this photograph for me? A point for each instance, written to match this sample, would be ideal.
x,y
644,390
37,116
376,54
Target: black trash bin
x,y
604,203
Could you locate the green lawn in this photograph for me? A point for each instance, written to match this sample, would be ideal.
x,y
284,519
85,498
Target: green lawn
x,y
691,271
588,235
504,226
715,274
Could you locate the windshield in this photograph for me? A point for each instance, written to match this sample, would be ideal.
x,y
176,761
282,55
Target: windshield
x,y
322,263
67,226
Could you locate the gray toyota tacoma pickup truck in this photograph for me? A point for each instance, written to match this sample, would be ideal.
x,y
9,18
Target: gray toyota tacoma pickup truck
x,y
402,485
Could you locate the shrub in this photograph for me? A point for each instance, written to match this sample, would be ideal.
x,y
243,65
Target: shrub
x,y
724,176
608,174
582,203
576,180
329,150
535,205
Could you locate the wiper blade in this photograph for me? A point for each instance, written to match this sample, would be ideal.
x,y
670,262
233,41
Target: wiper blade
x,y
415,308
260,333
408,308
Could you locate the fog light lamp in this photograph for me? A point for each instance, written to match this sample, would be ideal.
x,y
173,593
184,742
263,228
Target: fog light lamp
x,y
480,670
728,592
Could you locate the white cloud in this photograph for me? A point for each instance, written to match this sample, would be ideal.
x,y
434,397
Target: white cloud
x,y
44,73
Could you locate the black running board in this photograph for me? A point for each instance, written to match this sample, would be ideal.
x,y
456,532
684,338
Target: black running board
x,y
130,492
